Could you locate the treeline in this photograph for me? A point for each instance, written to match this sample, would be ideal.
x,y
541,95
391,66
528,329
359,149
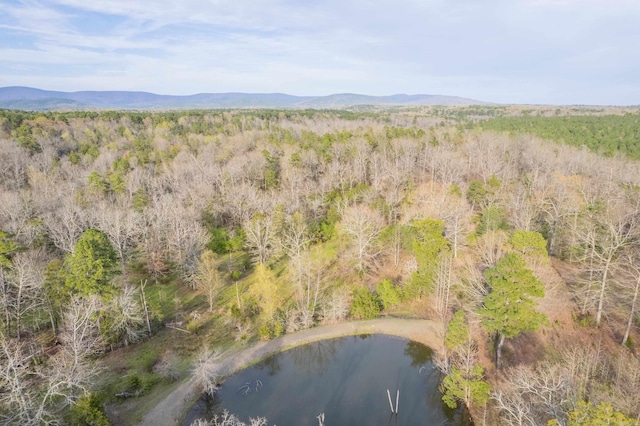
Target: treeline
x,y
241,225
606,135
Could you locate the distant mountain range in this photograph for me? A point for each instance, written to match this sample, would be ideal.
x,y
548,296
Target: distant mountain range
x,y
28,98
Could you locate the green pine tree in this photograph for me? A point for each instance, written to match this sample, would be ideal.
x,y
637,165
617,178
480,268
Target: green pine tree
x,y
508,309
429,242
91,265
365,304
7,248
529,243
457,332
465,381
466,386
588,414
387,293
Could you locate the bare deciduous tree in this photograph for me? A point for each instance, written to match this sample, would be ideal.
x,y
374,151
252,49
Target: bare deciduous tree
x,y
631,281
80,331
523,209
13,165
472,283
363,225
206,370
547,388
26,277
492,246
514,409
186,241
23,400
19,217
583,363
66,224
308,292
122,225
228,419
559,204
443,281
457,217
126,318
624,380
260,232
208,279
603,244
336,307
294,238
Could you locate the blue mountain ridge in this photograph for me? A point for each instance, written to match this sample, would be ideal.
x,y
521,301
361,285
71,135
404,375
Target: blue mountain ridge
x,y
17,97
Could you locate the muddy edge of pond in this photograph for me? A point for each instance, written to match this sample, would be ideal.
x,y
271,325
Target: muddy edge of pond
x,y
172,409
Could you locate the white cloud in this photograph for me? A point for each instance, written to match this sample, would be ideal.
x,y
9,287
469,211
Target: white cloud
x,y
498,50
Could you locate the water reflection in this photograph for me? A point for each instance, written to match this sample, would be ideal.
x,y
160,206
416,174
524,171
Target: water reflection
x,y
316,357
419,353
346,378
271,365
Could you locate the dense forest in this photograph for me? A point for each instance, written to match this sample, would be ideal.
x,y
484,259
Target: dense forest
x,y
606,134
123,231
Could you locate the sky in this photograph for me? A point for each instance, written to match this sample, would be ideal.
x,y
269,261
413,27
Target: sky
x,y
505,51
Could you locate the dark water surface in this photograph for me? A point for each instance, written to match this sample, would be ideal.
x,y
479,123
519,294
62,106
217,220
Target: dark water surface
x,y
345,378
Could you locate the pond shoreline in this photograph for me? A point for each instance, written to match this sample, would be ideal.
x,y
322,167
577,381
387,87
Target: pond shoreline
x,y
174,407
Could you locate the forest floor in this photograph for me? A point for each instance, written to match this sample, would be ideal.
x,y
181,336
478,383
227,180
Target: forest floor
x,y
172,409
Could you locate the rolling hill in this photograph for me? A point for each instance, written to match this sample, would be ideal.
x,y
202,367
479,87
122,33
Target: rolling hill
x,y
28,98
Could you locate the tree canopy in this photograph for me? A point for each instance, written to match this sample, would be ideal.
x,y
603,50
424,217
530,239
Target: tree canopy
x,y
7,248
606,134
91,265
508,308
428,243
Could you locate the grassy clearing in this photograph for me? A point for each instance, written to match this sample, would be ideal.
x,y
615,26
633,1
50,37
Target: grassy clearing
x,y
149,370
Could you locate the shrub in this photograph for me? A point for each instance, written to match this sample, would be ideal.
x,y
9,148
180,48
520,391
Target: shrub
x,y
147,360
629,343
271,329
365,304
278,329
219,242
196,322
387,293
264,332
167,366
88,411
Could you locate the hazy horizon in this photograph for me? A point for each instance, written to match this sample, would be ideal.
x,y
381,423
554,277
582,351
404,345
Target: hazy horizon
x,y
523,52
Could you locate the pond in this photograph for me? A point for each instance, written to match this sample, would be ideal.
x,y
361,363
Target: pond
x,y
345,378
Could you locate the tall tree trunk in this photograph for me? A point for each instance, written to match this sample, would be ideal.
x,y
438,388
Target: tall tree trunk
x,y
52,318
18,311
573,235
5,295
144,305
499,352
552,237
123,263
633,311
603,287
588,294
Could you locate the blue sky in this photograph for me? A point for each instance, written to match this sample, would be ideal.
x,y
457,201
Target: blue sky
x,y
511,51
